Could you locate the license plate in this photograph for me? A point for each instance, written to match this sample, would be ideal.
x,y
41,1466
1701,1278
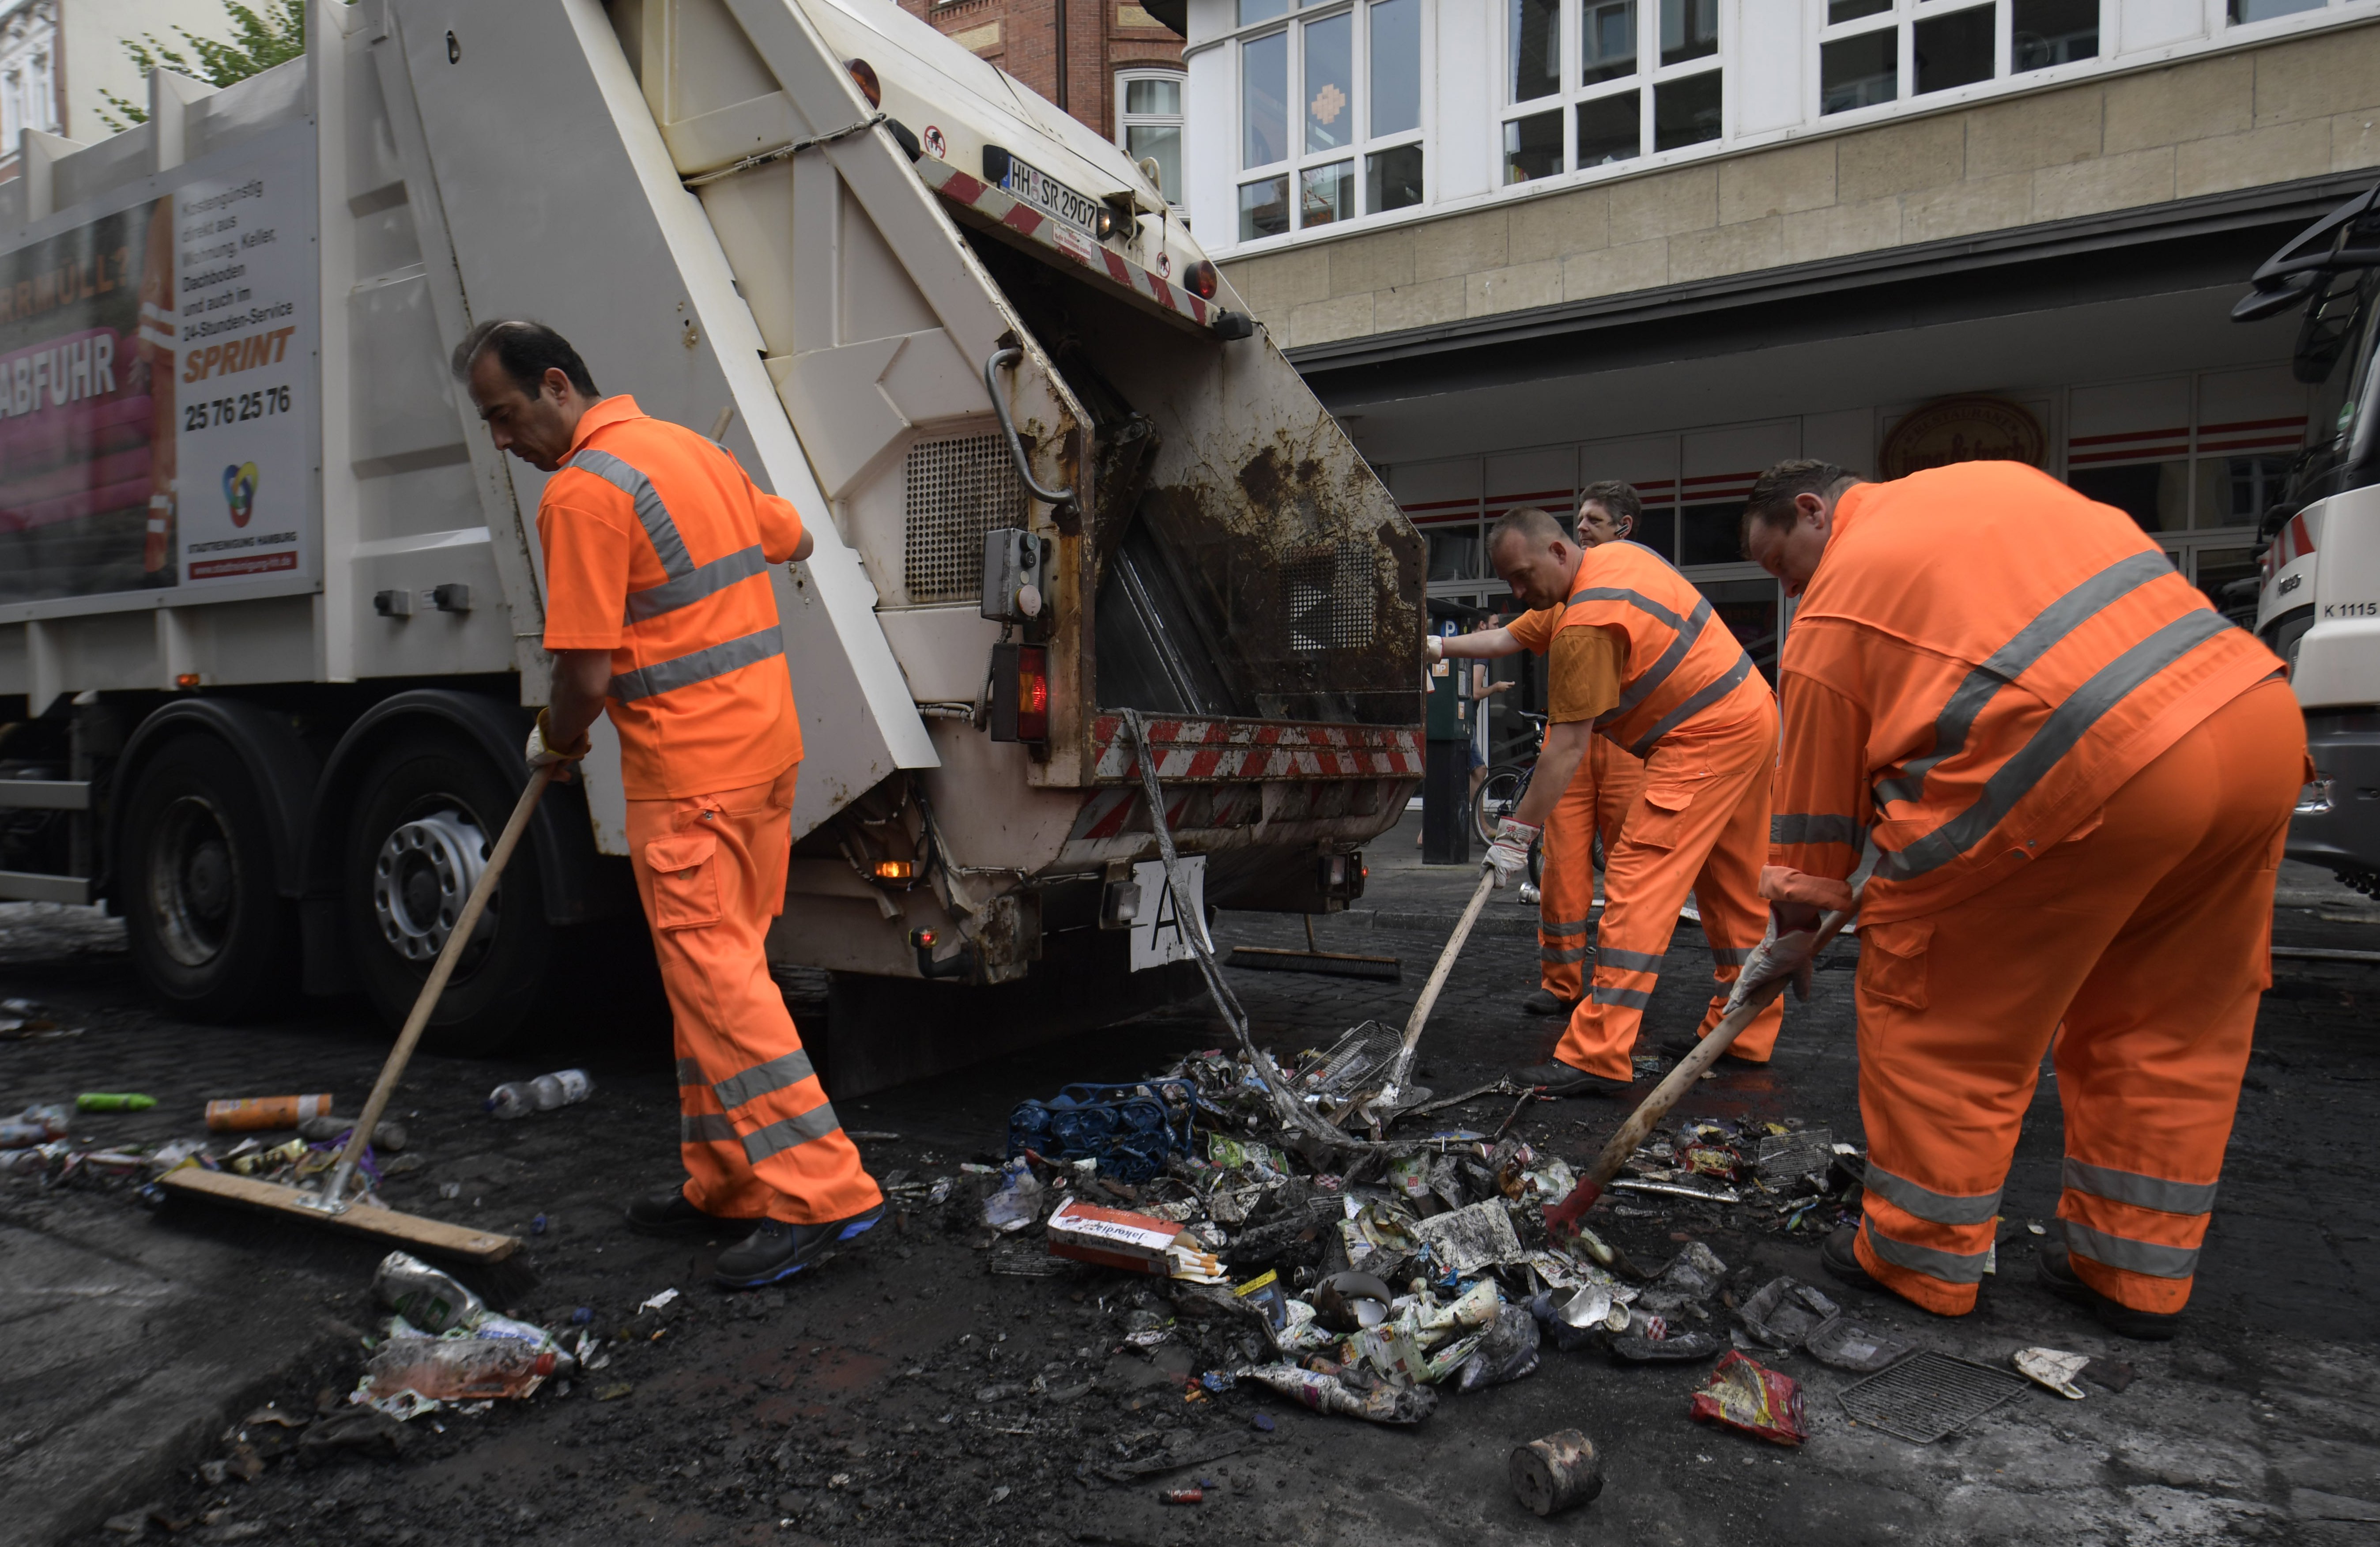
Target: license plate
x,y
1049,196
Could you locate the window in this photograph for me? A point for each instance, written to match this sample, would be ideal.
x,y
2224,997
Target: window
x,y
1355,147
1637,76
2046,33
1148,125
1951,51
1872,52
2265,10
1858,71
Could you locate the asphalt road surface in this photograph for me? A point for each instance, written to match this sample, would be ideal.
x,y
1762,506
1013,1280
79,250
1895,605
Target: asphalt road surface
x,y
903,1393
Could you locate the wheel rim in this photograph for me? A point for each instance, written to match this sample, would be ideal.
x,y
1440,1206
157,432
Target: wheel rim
x,y
193,881
423,876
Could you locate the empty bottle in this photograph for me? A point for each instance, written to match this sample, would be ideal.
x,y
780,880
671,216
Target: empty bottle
x,y
518,1098
35,1124
462,1368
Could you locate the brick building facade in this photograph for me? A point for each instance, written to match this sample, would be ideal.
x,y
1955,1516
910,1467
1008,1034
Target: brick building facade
x,y
1078,53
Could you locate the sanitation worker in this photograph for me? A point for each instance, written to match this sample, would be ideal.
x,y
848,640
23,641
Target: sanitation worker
x,y
2077,778
1607,782
1638,656
659,613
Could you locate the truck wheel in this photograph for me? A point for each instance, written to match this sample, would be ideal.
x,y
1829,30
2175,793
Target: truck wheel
x,y
426,816
210,931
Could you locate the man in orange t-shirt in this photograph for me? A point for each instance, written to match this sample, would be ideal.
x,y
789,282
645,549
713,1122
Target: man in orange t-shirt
x,y
659,612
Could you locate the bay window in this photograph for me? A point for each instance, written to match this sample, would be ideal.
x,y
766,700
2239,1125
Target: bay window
x,y
1355,147
1597,82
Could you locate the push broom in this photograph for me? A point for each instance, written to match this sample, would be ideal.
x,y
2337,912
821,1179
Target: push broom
x,y
332,1206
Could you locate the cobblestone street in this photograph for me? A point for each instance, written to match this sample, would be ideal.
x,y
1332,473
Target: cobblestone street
x,y
904,1393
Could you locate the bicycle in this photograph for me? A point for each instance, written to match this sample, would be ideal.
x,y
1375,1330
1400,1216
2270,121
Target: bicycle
x,y
1499,796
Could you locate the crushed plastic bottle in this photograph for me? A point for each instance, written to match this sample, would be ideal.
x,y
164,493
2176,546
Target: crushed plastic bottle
x,y
518,1098
35,1124
406,1374
425,1296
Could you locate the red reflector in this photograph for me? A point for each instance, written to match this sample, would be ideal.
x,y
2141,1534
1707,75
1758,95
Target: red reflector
x,y
1033,693
1201,280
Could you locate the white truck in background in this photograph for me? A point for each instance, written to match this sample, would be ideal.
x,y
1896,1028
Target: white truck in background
x,y
270,604
2319,603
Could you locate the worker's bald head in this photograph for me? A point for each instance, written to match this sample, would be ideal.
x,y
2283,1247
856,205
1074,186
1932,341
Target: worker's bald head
x,y
1533,555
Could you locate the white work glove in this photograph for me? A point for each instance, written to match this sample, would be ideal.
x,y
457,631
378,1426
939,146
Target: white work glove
x,y
1776,961
538,753
1433,648
1509,855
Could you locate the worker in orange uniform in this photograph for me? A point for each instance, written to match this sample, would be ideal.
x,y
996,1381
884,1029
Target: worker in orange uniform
x,y
1606,783
1639,657
2077,778
659,612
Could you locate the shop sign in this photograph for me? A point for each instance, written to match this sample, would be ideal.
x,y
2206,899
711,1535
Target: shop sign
x,y
1963,429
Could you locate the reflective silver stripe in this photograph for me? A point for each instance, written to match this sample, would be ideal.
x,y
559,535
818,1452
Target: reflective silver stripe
x,y
777,1137
1633,999
1950,1267
1564,953
701,665
707,1128
1689,629
1937,1207
2130,1256
2011,661
707,580
761,1079
1694,704
2059,735
2146,1192
1805,827
691,1073
668,546
1731,955
1631,961
1547,926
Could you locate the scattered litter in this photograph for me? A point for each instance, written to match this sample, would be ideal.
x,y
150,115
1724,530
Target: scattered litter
x,y
1693,1274
1845,1347
255,1114
1784,1159
518,1098
409,1376
1183,1495
1929,1395
874,1136
1129,1130
1703,1192
1786,1313
425,1297
35,1124
1465,1240
365,1432
1506,1351
659,1301
1676,1348
1018,1202
613,1393
1329,1394
2048,1367
2114,1374
1352,1303
1558,1472
1742,1394
1137,1243
103,1101
387,1135
1264,1424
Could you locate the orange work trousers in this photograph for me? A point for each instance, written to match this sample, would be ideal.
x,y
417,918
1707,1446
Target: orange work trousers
x,y
757,1132
1606,785
2148,935
1700,824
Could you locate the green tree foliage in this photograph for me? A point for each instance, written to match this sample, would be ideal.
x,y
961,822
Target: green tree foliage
x,y
266,34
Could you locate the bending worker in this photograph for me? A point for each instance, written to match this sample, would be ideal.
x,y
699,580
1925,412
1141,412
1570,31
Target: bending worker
x,y
1606,785
659,613
2078,778
1639,656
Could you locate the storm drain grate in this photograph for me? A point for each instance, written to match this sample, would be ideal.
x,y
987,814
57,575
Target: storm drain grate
x,y
1928,1395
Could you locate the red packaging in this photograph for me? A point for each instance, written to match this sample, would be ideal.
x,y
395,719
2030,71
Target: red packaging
x,y
1113,1238
1742,1394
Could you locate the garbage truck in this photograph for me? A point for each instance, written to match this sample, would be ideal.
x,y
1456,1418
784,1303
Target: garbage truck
x,y
2318,604
270,605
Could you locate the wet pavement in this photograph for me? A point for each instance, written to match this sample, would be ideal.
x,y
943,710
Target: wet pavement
x,y
903,1393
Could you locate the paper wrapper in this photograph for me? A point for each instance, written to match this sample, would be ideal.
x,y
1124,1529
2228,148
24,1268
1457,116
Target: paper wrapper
x,y
1743,1394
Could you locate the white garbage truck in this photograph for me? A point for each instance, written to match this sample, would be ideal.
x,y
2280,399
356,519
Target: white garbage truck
x,y
270,603
2318,605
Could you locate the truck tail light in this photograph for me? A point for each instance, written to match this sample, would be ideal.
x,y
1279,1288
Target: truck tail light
x,y
897,870
1201,280
863,75
1020,692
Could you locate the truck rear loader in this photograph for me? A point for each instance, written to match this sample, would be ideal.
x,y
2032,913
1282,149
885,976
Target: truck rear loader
x,y
270,604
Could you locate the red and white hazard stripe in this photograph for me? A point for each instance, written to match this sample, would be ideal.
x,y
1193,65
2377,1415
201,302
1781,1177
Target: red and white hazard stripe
x,y
1201,751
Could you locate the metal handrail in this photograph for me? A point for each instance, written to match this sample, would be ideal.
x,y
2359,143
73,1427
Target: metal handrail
x,y
1015,443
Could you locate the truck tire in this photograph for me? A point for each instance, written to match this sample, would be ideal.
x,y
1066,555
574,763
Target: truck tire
x,y
210,931
429,811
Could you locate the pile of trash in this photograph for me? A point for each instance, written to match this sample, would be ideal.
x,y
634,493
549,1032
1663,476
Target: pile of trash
x,y
441,1346
38,1143
1791,1177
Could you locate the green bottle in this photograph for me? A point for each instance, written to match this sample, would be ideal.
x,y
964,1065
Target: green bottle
x,y
100,1101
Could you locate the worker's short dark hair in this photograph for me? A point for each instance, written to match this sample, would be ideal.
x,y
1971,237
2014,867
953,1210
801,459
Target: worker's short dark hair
x,y
1774,492
1620,499
1530,521
527,351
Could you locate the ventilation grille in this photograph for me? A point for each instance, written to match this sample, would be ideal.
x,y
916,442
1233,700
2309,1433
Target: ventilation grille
x,y
957,490
1330,597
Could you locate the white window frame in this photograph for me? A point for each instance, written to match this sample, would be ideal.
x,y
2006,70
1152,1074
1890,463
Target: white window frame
x,y
2223,22
1360,146
1901,18
1181,121
1649,76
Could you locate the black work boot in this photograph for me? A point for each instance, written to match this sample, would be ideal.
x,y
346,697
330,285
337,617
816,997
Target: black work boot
x,y
2055,1270
1838,1258
1558,1079
667,1212
1545,1002
778,1250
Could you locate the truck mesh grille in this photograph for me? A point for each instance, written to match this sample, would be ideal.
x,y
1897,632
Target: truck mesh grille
x,y
957,490
1329,594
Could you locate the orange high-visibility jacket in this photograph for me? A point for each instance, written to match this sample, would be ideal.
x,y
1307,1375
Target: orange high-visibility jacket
x,y
656,549
1678,660
1982,658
